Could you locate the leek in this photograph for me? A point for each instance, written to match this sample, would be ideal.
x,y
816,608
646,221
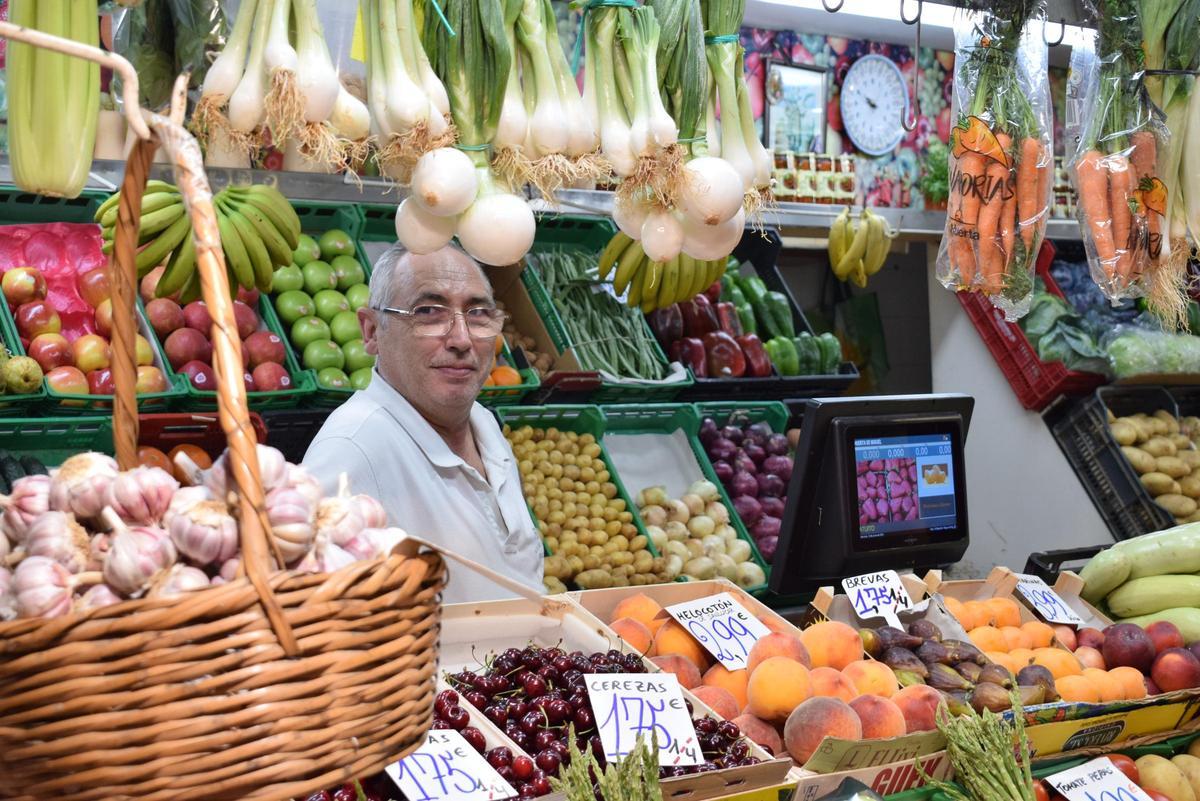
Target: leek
x,y
51,142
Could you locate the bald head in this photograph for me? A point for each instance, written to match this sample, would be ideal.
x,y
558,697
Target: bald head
x,y
398,273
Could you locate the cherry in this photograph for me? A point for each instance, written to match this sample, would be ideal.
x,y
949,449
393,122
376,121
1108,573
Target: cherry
x,y
533,685
705,726
522,767
346,792
440,724
320,795
499,756
476,699
525,791
444,700
475,737
583,718
496,714
541,786
548,761
532,721
729,730
558,710
505,772
458,718
544,738
739,750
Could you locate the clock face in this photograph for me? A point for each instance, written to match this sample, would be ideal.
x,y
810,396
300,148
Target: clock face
x,y
873,99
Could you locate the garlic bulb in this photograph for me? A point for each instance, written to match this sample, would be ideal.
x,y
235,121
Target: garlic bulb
x,y
43,587
290,514
96,597
97,550
30,497
136,556
326,557
272,468
5,547
8,595
179,579
56,535
340,518
303,482
81,484
372,511
228,572
142,495
371,543
200,527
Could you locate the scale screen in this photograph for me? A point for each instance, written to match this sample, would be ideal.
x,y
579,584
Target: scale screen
x,y
903,484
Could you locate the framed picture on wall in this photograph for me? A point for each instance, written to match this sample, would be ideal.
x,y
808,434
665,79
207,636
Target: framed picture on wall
x,y
794,112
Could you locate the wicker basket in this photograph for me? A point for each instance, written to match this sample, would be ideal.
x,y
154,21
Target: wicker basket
x,y
274,686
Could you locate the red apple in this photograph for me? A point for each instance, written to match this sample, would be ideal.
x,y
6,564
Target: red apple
x,y
91,352
164,316
104,318
50,351
200,374
150,283
100,382
262,347
145,354
67,380
195,315
150,379
1126,644
270,376
187,345
37,317
248,296
93,286
249,380
23,284
1164,634
247,319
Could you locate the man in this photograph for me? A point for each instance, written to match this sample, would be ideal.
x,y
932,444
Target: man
x,y
416,439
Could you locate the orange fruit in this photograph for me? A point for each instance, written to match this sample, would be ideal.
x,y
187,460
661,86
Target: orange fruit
x,y
1110,688
975,614
1021,657
505,376
1060,663
149,456
499,346
1016,638
987,638
1040,633
1133,683
197,454
955,607
1077,688
1006,611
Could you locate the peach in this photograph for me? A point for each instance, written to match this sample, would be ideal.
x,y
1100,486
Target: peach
x,y
777,645
880,718
635,635
1164,634
832,644
832,683
779,626
1108,687
673,638
1066,635
718,700
683,668
872,678
919,704
813,720
760,732
1176,669
732,681
643,609
776,687
1089,657
1077,688
1093,638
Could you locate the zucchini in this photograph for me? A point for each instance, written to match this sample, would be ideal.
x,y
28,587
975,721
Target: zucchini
x,y
1103,573
10,468
1144,596
1186,618
33,466
1176,550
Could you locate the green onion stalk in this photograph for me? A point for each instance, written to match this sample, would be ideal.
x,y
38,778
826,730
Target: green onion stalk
x,y
224,146
53,99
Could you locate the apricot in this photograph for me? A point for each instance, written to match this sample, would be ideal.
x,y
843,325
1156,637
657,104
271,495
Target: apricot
x,y
919,704
833,684
732,681
779,626
1077,688
776,687
777,645
872,678
684,669
880,718
1005,611
760,732
635,635
643,609
1089,657
1021,657
674,639
1003,659
988,638
1015,637
1041,635
813,720
832,644
1060,663
976,614
1109,688
1133,683
955,607
718,700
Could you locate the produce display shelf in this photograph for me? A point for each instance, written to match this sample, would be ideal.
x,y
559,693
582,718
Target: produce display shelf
x,y
52,440
292,430
23,405
1080,426
17,207
665,419
494,396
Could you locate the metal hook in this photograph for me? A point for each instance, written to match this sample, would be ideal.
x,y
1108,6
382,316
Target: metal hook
x,y
1062,31
915,19
836,8
916,79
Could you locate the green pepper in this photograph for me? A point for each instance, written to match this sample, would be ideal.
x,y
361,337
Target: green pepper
x,y
734,295
727,288
781,314
753,288
746,315
808,352
782,354
831,353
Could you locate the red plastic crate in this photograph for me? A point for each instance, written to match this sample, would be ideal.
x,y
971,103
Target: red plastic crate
x,y
165,431
1036,382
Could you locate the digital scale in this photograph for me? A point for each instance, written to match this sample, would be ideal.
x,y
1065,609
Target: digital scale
x,y
878,483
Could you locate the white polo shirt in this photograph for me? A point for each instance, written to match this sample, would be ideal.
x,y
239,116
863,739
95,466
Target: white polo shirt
x,y
389,451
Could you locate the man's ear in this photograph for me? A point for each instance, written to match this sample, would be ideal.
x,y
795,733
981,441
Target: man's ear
x,y
369,324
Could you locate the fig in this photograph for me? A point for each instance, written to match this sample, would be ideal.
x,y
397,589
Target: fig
x,y
925,629
895,638
1033,695
932,652
969,670
872,645
944,677
1038,676
907,678
996,674
964,652
904,659
957,702
990,696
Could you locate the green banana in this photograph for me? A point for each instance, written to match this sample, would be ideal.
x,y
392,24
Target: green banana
x,y
181,269
612,251
237,259
157,221
191,289
152,188
631,258
152,255
699,282
276,245
271,202
670,284
634,298
159,200
687,274
263,269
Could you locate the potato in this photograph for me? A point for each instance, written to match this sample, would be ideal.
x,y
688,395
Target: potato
x,y
1168,419
1189,766
1158,425
1172,466
1192,518
1157,773
1159,446
1124,432
1190,457
1190,486
1182,442
1109,414
1159,483
1176,504
1142,462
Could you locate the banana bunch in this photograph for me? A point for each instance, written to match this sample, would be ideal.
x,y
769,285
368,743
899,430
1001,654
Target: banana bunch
x,y
655,284
259,231
859,251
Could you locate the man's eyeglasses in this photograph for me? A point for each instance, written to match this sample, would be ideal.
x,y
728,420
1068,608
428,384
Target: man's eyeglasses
x,y
431,320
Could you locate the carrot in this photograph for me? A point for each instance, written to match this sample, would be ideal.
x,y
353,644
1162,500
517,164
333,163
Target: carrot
x,y
1045,171
1143,154
967,186
1028,201
991,257
1092,182
1122,183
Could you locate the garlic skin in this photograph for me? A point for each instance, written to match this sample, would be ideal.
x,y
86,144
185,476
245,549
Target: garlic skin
x,y
272,469
200,527
29,498
339,520
8,595
80,485
179,579
372,543
96,597
372,511
228,572
303,482
291,517
5,547
56,535
326,557
43,588
97,550
136,557
141,496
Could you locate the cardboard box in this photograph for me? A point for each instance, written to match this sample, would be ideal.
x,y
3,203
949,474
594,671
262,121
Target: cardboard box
x,y
1162,714
1068,587
885,779
836,606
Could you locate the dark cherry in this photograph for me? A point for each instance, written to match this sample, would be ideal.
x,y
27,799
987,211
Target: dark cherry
x,y
548,761
522,768
458,718
347,792
444,700
561,663
550,673
475,737
496,714
440,724
705,726
544,738
525,791
505,772
532,721
534,685
563,750
597,746
558,710
729,730
583,718
688,704
541,786
499,756
476,699
320,795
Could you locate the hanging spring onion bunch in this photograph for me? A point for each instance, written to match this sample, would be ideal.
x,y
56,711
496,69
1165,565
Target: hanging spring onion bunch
x,y
53,99
409,105
454,191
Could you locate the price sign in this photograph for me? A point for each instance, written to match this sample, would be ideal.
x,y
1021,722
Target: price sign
x,y
1098,780
1046,601
446,766
722,626
878,595
631,705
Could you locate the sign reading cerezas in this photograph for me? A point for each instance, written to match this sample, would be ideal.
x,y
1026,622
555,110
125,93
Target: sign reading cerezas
x,y
1098,780
722,626
631,705
447,767
1046,602
878,595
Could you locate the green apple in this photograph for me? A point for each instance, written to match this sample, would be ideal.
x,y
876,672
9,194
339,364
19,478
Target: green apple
x,y
330,303
348,271
294,304
287,279
307,330
333,378
323,353
307,250
317,276
356,355
358,296
344,327
361,377
335,242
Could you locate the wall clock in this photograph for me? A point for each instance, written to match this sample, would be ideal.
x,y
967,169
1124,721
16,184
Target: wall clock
x,y
874,100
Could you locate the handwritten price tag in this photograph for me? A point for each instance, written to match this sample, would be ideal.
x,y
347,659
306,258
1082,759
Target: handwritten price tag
x,y
629,705
878,595
722,626
1046,601
1098,780
446,766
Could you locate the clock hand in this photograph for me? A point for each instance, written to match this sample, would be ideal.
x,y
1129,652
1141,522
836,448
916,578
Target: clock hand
x,y
871,102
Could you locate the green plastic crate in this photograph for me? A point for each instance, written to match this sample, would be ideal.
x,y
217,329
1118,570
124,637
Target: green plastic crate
x,y
494,397
775,414
664,419
317,216
52,439
18,405
18,207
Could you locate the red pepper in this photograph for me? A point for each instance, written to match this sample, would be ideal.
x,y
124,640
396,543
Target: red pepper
x,y
675,351
692,355
725,357
728,317
667,324
713,293
757,361
706,313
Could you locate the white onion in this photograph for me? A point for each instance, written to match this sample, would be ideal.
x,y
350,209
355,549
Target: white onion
x,y
630,217
662,236
498,229
350,117
421,232
444,183
712,191
708,242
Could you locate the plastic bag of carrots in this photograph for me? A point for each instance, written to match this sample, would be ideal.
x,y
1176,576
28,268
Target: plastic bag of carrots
x,y
1122,200
1001,156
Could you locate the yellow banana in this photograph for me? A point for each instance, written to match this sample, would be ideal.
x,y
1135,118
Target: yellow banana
x,y
627,267
670,284
837,237
634,298
612,251
169,240
687,269
701,278
651,282
263,270
237,259
878,245
181,269
276,245
854,253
